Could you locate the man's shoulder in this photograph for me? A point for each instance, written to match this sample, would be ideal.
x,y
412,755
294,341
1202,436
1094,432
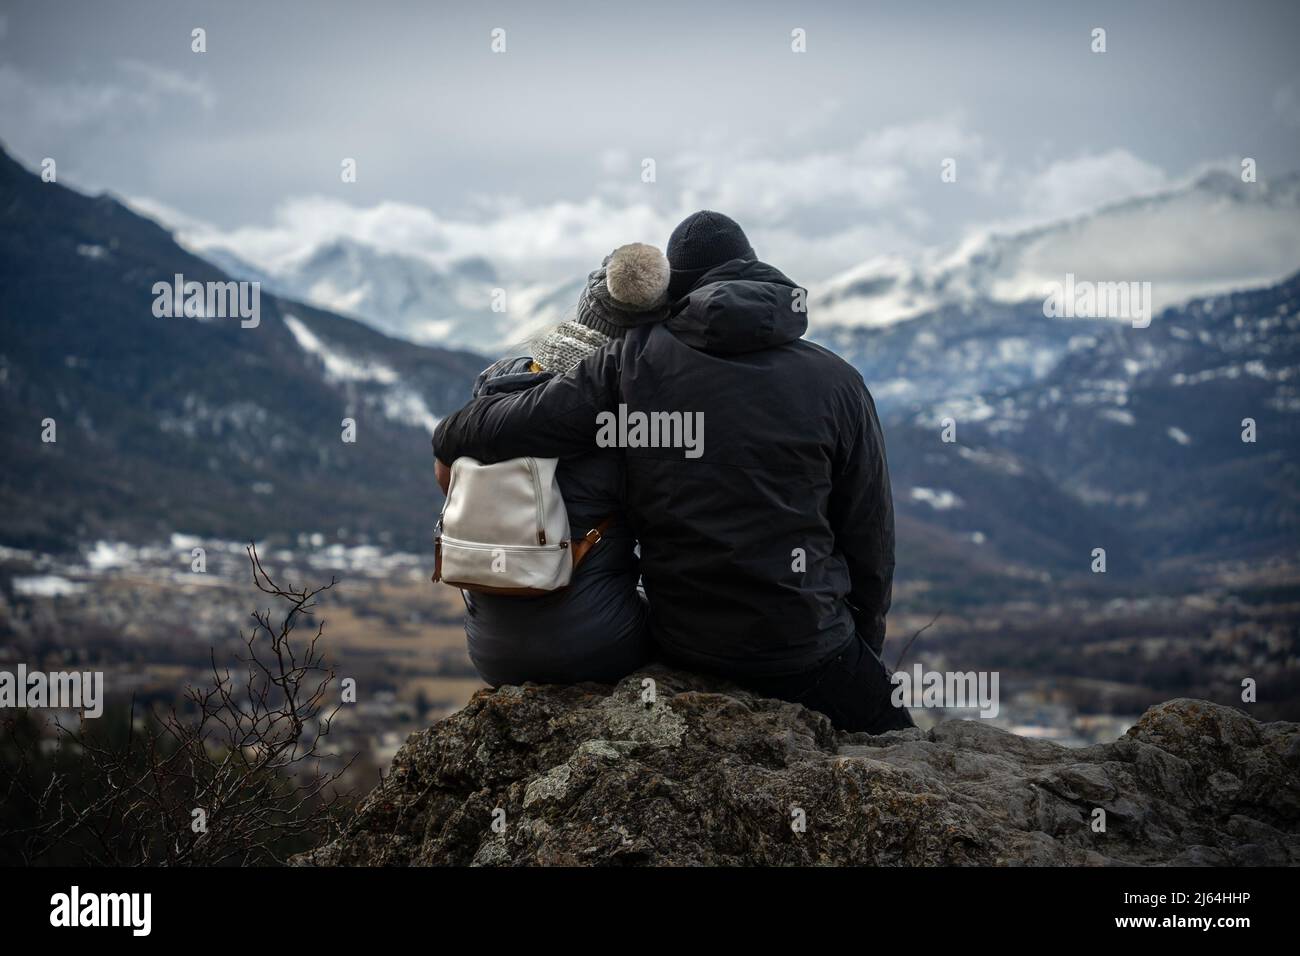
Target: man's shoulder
x,y
836,382
835,370
824,354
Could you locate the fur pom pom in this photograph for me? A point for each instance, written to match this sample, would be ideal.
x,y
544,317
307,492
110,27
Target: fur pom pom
x,y
637,276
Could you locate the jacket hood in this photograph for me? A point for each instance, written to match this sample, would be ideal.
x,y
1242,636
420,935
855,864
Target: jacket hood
x,y
741,306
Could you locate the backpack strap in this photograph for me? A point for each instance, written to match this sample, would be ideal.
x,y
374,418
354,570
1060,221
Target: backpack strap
x,y
437,551
583,546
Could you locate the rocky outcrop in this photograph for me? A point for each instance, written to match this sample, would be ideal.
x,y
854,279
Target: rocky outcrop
x,y
700,772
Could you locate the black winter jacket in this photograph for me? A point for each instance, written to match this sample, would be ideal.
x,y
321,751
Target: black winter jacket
x,y
762,555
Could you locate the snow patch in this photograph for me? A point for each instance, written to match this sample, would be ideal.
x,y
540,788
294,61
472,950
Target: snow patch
x,y
46,585
406,406
939,500
339,367
106,555
399,403
995,461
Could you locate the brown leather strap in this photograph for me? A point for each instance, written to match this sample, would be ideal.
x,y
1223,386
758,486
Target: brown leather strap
x,y
582,547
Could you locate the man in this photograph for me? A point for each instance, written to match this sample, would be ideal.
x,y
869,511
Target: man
x,y
767,537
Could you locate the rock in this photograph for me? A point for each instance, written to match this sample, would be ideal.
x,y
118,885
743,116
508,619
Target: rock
x,y
710,774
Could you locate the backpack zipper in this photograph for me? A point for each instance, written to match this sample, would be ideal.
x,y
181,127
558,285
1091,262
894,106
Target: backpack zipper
x,y
478,546
537,497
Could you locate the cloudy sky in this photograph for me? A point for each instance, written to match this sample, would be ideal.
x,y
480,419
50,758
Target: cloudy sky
x,y
534,156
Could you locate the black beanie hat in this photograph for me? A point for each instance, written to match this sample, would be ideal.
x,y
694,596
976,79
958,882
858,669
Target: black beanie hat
x,y
701,242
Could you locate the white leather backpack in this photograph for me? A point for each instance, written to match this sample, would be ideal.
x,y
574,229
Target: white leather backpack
x,y
504,529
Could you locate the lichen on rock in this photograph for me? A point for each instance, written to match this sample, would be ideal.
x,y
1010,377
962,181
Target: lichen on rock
x,y
707,773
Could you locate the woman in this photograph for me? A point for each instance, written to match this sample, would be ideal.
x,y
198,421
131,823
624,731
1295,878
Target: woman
x,y
595,629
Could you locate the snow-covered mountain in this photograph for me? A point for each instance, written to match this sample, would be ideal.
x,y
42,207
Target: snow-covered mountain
x,y
1216,235
958,352
458,305
1171,446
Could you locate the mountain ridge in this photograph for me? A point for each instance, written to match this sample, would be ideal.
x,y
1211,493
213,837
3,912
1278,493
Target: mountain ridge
x,y
1125,240
1137,238
198,426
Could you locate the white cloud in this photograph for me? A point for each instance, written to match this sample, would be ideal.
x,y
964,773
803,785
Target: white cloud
x,y
811,213
530,241
1074,186
880,171
1189,241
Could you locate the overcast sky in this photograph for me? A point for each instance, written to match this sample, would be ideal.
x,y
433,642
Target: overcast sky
x,y
534,156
